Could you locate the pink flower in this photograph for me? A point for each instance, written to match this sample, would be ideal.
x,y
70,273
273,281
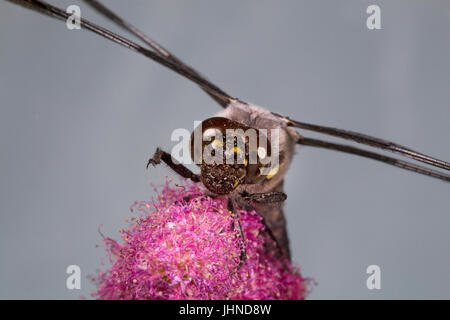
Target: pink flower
x,y
186,245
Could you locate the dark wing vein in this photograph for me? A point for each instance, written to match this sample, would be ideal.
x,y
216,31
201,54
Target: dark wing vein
x,y
165,58
375,156
48,9
158,48
370,141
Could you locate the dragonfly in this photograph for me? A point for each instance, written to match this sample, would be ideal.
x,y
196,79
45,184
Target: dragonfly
x,y
237,110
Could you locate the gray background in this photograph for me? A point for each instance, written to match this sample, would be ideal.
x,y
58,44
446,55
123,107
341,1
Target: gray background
x,y
80,116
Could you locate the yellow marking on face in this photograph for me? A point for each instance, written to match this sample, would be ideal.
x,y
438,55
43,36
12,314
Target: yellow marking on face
x,y
217,143
273,172
237,150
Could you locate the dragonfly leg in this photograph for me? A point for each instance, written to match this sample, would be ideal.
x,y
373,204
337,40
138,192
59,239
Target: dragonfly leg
x,y
236,216
161,155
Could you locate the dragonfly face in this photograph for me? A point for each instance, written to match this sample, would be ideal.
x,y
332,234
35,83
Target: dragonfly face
x,y
232,154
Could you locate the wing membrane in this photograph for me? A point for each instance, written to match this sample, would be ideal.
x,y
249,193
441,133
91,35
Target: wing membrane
x,y
375,156
97,5
170,61
167,59
368,140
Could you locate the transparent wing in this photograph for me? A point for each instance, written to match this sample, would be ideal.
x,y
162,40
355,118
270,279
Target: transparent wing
x,y
368,140
375,156
161,55
101,8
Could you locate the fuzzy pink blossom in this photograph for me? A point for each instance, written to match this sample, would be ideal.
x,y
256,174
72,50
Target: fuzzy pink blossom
x,y
186,245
